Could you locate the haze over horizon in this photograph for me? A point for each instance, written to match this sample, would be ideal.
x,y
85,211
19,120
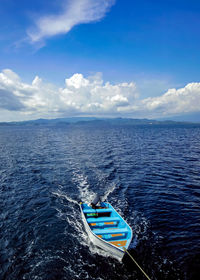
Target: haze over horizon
x,y
102,58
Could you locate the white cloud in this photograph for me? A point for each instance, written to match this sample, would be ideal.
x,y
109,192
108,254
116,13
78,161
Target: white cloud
x,y
73,12
79,96
91,95
175,101
88,96
77,81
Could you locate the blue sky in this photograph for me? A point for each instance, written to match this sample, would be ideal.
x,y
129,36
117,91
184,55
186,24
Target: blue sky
x,y
99,58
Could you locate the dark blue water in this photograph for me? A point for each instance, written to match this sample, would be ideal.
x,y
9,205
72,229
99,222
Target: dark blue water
x,y
149,174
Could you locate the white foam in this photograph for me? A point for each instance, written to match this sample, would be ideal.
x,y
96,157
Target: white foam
x,y
83,186
108,192
63,195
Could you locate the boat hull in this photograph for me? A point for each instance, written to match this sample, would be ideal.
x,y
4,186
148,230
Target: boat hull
x,y
113,251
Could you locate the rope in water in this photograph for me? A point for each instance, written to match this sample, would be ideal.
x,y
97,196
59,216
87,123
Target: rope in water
x,y
136,263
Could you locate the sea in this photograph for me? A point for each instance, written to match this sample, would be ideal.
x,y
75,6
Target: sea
x,y
150,174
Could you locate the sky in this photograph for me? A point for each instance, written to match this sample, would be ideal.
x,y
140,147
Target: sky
x,y
102,58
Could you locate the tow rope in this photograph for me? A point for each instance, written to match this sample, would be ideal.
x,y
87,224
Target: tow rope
x,y
136,263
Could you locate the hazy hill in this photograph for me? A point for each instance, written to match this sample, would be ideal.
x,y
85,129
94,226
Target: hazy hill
x,y
95,121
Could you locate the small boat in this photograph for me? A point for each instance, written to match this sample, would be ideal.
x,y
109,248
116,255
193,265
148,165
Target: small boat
x,y
106,228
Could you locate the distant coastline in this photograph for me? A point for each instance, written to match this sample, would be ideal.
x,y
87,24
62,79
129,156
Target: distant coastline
x,y
98,121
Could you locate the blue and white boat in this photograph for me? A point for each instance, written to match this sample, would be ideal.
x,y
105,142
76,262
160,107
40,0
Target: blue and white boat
x,y
106,228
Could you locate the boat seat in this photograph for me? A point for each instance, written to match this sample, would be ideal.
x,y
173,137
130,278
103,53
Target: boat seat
x,y
107,231
118,243
87,211
103,219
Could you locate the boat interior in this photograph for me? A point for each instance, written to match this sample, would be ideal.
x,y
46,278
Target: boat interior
x,y
107,224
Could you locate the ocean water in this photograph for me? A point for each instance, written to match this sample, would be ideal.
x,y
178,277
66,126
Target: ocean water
x,y
149,174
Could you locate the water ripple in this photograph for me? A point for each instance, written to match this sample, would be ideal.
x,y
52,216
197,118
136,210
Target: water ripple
x,y
149,174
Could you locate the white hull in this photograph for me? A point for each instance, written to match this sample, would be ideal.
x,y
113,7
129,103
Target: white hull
x,y
112,250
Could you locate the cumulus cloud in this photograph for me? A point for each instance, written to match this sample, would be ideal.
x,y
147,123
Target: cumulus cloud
x,y
79,96
73,12
89,96
175,101
9,101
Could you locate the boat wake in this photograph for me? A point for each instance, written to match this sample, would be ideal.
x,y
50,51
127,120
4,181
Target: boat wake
x,y
65,196
117,195
109,192
85,194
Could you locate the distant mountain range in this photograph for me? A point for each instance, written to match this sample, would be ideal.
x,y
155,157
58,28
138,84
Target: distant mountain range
x,y
96,121
189,117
